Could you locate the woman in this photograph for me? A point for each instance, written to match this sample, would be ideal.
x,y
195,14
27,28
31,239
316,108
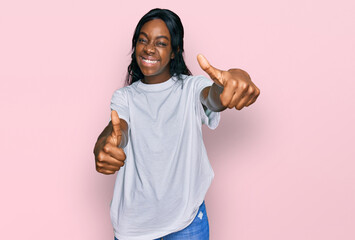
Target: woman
x,y
156,141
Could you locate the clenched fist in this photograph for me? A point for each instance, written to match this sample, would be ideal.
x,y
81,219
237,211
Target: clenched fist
x,y
109,155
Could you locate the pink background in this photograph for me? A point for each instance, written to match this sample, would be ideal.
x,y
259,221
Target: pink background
x,y
284,168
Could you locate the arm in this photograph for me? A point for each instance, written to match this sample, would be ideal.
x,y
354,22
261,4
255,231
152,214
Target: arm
x,y
108,150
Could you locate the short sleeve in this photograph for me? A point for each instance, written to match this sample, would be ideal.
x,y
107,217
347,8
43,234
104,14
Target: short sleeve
x,y
119,103
208,117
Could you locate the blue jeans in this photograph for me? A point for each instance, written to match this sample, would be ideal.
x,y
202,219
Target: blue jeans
x,y
197,230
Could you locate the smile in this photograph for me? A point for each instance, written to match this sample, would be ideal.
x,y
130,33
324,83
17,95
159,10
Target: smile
x,y
149,61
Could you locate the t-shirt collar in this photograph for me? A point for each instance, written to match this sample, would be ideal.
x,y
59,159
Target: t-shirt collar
x,y
157,86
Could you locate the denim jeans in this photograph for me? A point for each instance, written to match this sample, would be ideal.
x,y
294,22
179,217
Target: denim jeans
x,y
197,230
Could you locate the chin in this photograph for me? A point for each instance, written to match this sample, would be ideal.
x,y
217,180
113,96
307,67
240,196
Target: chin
x,y
149,73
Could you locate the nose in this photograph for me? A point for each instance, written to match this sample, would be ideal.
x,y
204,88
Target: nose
x,y
149,48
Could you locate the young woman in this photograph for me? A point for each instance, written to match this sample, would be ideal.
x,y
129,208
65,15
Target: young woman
x,y
154,139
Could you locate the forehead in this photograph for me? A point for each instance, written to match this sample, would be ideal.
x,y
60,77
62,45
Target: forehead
x,y
155,28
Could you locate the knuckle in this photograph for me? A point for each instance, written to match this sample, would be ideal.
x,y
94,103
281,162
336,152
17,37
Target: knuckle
x,y
251,91
107,148
225,104
244,87
100,156
118,163
234,83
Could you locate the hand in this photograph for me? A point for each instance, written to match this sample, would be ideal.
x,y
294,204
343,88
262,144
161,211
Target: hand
x,y
239,91
108,156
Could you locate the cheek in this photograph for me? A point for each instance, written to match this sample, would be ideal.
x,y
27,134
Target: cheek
x,y
167,56
138,49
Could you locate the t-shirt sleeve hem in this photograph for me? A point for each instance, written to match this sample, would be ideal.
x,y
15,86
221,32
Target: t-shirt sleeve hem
x,y
210,118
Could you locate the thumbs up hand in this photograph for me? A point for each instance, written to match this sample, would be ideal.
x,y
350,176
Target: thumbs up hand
x,y
109,156
238,89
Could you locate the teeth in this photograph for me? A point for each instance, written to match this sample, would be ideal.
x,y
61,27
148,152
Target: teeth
x,y
149,61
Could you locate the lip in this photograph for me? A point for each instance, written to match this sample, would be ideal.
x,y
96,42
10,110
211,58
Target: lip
x,y
149,59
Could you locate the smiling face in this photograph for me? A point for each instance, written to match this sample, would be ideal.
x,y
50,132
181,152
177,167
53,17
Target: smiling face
x,y
154,52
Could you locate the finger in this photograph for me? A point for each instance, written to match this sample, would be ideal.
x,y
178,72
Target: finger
x,y
105,168
114,151
214,73
106,158
116,129
106,172
242,103
228,93
110,163
256,95
246,96
251,102
240,93
235,101
102,167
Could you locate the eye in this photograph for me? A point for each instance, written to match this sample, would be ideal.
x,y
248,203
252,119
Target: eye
x,y
161,44
142,40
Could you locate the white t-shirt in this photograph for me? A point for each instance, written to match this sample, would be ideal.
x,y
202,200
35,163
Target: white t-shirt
x,y
167,172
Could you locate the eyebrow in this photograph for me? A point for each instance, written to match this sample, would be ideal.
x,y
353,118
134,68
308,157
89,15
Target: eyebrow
x,y
162,36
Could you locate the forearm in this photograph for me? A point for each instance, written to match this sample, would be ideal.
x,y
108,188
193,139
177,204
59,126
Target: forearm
x,y
210,97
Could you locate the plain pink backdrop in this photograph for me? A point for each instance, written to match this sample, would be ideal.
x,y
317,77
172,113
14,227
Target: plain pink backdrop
x,y
284,168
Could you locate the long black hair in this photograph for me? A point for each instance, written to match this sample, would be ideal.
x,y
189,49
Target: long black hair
x,y
176,30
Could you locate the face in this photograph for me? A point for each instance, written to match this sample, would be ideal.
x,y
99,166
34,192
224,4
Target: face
x,y
154,52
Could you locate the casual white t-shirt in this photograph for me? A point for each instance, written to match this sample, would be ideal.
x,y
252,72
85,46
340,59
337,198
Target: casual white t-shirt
x,y
167,172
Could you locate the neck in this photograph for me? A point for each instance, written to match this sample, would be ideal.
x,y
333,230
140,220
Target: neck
x,y
156,79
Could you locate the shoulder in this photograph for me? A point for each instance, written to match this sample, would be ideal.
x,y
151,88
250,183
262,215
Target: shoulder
x,y
126,89
198,83
195,80
191,77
